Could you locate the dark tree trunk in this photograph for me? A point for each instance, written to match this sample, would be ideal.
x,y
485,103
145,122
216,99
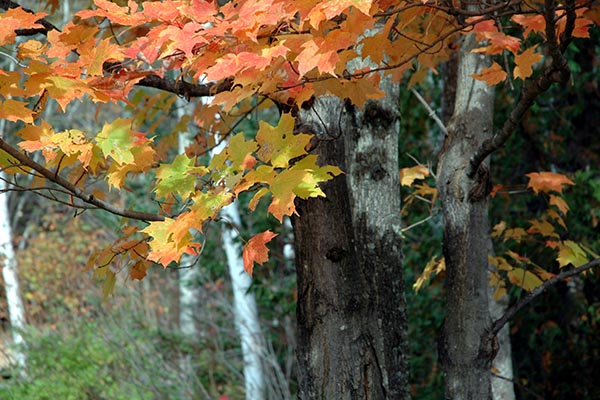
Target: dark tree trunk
x,y
465,357
351,306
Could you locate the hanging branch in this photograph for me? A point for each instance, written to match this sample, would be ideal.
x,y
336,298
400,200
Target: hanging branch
x,y
74,190
515,308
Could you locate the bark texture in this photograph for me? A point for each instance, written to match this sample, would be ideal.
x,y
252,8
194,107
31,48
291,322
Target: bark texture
x,y
466,358
351,305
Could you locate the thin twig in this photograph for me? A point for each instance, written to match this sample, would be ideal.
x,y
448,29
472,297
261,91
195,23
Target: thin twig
x,y
13,59
431,112
416,224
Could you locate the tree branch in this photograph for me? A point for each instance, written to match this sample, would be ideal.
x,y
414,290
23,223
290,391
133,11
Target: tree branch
x,y
556,71
515,308
183,88
74,190
430,111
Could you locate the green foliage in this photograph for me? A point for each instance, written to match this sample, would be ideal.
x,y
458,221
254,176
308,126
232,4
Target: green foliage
x,y
81,365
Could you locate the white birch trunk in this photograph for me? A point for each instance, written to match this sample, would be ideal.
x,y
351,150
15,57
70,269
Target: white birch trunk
x,y
245,309
8,262
188,291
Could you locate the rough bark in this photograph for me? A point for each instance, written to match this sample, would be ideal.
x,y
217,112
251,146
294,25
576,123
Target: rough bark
x,y
351,306
465,357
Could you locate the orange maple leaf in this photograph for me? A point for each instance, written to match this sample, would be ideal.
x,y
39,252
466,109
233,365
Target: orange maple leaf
x,y
547,182
255,251
525,62
491,75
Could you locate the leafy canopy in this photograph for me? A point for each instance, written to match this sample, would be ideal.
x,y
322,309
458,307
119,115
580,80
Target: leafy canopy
x,y
247,55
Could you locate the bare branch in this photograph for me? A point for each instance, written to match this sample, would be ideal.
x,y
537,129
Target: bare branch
x,y
74,190
515,308
183,88
431,112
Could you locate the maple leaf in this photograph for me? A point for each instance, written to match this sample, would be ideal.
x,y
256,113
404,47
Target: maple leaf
x,y
499,41
144,158
256,251
164,249
233,64
279,144
409,175
434,267
500,262
531,23
570,252
138,270
547,182
326,10
93,55
524,279
240,152
116,140
64,90
283,187
17,18
544,228
491,75
178,177
115,13
524,63
358,91
559,203
13,110
515,234
208,205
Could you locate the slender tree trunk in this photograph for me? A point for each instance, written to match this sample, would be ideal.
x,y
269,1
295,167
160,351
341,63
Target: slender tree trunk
x,y
502,388
188,285
8,262
465,358
351,306
245,309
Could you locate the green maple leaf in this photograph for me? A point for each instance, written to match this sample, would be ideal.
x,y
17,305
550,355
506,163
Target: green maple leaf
x,y
240,152
178,177
116,141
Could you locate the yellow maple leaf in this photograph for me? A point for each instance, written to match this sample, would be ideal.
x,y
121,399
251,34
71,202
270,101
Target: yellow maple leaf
x,y
570,252
409,175
524,279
